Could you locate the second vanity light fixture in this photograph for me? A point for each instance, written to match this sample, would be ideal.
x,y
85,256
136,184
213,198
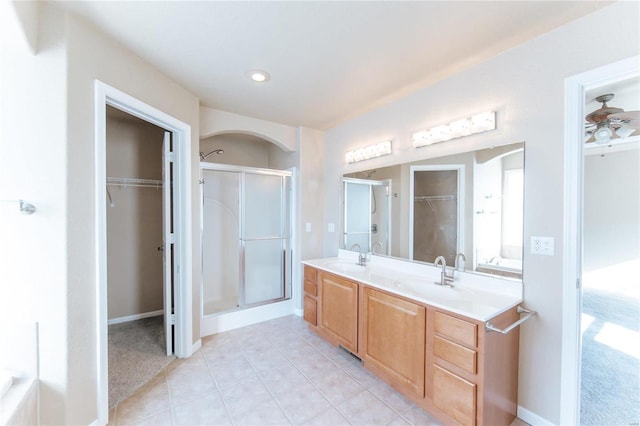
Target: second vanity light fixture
x,y
477,123
369,151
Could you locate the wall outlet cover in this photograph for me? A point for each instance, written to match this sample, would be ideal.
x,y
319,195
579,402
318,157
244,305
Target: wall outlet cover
x,y
543,245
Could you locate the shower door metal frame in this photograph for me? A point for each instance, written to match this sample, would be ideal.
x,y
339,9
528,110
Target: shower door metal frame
x,y
286,198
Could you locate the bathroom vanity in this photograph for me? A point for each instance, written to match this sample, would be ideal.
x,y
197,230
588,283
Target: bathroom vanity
x,y
437,345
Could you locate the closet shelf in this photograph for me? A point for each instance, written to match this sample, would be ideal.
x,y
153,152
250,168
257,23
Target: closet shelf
x,y
146,183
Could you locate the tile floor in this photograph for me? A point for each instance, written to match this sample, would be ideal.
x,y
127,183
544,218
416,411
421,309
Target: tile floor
x,y
274,373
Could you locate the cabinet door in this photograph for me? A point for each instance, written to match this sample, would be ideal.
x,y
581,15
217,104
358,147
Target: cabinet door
x,y
454,395
339,310
310,310
393,339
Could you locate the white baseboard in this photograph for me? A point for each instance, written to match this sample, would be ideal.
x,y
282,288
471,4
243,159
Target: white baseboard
x,y
214,324
299,312
532,418
135,317
197,345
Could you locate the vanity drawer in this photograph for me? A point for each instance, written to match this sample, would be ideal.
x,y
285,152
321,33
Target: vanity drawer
x,y
310,288
310,310
456,354
310,274
456,329
454,395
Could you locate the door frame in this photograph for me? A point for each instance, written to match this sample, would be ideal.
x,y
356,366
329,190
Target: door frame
x,y
575,88
107,95
460,168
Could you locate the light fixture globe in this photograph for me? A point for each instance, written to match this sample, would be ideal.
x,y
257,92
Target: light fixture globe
x,y
603,135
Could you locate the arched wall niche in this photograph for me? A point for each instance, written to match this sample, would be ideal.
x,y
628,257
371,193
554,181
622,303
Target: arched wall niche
x,y
215,122
242,149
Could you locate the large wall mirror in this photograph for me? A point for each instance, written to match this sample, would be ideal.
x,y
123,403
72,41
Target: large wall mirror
x,y
469,203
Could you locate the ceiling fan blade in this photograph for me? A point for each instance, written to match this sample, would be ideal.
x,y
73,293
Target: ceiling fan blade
x,y
631,118
627,115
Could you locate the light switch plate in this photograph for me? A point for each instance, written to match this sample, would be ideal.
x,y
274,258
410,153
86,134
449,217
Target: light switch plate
x,y
308,227
543,246
331,227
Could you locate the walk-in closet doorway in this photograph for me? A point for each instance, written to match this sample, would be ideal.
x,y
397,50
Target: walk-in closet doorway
x,y
139,252
154,229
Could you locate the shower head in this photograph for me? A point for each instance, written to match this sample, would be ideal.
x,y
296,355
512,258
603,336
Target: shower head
x,y
369,173
204,156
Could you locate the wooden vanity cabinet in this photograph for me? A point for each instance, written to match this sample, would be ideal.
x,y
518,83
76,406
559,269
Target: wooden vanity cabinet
x,y
393,339
311,295
446,363
471,374
338,310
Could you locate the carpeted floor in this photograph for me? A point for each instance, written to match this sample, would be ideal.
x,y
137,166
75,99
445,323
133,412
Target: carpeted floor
x,y
610,365
136,354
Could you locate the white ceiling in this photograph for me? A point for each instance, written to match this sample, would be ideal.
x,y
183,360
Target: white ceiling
x,y
329,61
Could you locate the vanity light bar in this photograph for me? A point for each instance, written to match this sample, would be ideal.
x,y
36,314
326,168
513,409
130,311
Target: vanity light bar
x,y
478,123
368,152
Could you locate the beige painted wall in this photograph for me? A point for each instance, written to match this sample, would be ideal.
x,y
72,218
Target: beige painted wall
x,y
611,210
134,222
33,156
47,157
525,85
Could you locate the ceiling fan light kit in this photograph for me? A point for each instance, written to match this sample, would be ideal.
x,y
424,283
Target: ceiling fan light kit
x,y
603,135
607,123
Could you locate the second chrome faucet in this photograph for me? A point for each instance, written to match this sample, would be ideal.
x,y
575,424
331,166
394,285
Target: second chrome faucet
x,y
362,257
445,280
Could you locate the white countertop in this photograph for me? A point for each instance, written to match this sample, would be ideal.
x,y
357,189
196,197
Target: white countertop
x,y
475,296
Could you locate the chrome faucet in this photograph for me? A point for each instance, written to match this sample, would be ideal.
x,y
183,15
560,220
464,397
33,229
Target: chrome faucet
x,y
362,257
455,265
445,280
377,244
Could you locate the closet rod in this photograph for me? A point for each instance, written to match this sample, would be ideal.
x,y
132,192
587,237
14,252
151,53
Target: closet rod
x,y
435,198
146,183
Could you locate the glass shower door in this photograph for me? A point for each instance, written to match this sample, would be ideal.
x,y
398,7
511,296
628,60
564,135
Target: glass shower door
x,y
265,233
220,241
246,238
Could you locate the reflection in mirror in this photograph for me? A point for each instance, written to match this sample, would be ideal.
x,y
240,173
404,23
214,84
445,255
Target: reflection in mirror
x,y
366,215
469,203
437,195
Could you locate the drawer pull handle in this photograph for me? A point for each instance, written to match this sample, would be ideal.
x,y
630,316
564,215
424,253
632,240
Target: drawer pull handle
x,y
521,310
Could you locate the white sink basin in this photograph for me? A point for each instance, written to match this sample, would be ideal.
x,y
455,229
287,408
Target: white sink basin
x,y
428,288
345,267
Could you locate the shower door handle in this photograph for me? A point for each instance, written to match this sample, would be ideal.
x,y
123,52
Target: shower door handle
x,y
161,248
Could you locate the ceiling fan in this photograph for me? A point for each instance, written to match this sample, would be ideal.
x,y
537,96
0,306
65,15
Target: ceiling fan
x,y
608,123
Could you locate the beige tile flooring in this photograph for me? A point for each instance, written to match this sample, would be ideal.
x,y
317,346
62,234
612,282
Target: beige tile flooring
x,y
273,373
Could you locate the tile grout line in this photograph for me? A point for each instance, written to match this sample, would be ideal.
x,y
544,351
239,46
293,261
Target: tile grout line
x,y
166,380
358,381
269,390
312,382
219,388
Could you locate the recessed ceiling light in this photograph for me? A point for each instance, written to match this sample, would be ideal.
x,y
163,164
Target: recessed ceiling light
x,y
259,76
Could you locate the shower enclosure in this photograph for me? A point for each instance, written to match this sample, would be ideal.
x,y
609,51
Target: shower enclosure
x,y
366,215
246,237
